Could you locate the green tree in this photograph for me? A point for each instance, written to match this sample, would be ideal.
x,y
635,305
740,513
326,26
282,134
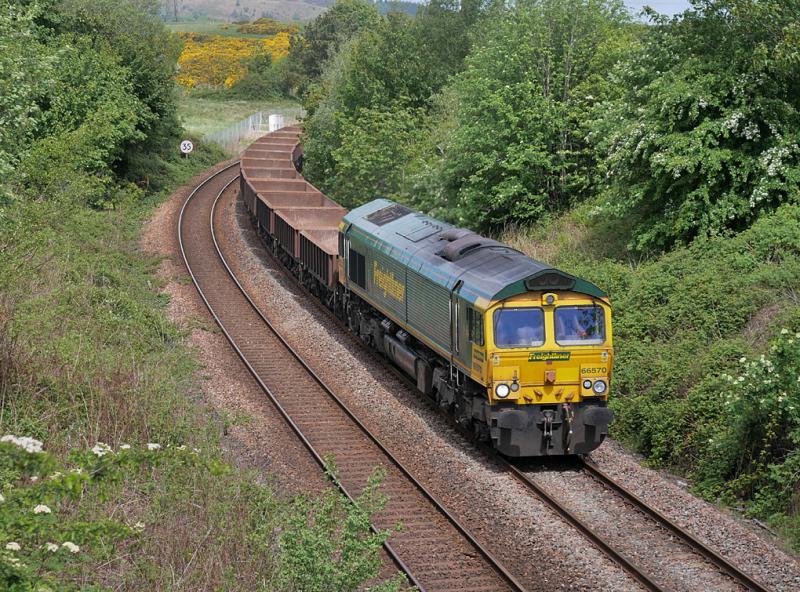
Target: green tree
x,y
519,148
322,38
705,137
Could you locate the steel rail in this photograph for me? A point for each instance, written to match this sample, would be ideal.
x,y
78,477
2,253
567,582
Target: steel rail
x,y
637,574
295,428
595,472
726,566
487,555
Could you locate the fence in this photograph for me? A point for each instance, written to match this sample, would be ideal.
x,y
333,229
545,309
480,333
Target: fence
x,y
237,136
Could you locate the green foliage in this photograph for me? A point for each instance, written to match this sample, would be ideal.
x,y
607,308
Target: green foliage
x,y
25,70
328,545
705,137
89,89
265,79
48,530
324,36
371,146
518,148
385,78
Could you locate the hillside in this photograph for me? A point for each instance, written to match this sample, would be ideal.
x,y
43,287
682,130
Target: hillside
x,y
232,10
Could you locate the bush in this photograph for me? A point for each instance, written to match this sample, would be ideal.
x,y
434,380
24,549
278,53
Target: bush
x,y
704,136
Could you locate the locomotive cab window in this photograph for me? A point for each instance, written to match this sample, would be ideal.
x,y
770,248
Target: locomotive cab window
x,y
519,327
357,271
580,325
475,322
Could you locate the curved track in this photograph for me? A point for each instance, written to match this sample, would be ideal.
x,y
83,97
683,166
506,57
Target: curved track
x,y
433,549
649,581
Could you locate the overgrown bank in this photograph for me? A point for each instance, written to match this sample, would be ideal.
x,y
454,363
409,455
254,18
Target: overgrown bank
x,y
111,471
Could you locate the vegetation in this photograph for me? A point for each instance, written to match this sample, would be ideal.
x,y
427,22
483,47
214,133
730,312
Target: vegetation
x,y
111,472
659,160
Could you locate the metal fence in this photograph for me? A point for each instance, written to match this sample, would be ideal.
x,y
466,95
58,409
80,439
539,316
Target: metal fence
x,y
238,136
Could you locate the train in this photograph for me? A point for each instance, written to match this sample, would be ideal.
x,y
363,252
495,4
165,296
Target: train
x,y
518,353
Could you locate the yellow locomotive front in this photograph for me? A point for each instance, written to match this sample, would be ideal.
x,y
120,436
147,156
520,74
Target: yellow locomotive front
x,y
547,361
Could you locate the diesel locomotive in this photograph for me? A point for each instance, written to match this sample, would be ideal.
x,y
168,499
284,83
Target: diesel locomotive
x,y
519,353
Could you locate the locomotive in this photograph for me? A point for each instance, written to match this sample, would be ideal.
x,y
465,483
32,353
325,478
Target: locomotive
x,y
519,353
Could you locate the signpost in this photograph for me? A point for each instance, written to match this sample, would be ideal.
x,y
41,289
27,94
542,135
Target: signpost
x,y
186,148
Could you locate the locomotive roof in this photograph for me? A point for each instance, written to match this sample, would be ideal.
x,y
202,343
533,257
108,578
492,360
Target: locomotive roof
x,y
446,254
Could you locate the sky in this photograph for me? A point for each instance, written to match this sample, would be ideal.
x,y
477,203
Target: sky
x,y
663,6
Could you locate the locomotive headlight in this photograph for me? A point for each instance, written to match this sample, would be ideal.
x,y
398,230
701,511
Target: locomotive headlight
x,y
502,390
587,384
599,387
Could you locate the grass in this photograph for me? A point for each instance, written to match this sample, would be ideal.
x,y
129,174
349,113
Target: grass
x,y
206,114
87,355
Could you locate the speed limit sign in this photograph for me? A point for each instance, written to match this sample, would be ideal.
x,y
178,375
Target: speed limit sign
x,y
186,146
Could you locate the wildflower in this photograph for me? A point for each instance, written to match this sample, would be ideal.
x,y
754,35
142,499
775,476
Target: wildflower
x,y
57,475
24,442
42,509
153,446
76,470
101,449
13,561
139,526
71,547
52,547
125,447
784,331
34,478
2,498
742,360
12,546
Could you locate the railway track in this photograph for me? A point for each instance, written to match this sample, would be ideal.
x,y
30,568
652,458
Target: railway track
x,y
434,550
656,522
646,579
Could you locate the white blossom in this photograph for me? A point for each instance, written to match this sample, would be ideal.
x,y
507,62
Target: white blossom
x,y
101,449
125,447
42,509
24,442
2,498
52,547
12,546
138,526
153,446
71,547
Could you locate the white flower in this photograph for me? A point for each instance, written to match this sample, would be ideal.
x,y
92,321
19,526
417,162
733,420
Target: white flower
x,y
2,498
125,447
71,547
742,360
52,547
76,470
153,446
24,442
138,526
12,546
42,509
57,475
101,449
784,331
34,478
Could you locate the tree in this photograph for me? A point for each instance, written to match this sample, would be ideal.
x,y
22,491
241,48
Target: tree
x,y
705,137
518,148
325,35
